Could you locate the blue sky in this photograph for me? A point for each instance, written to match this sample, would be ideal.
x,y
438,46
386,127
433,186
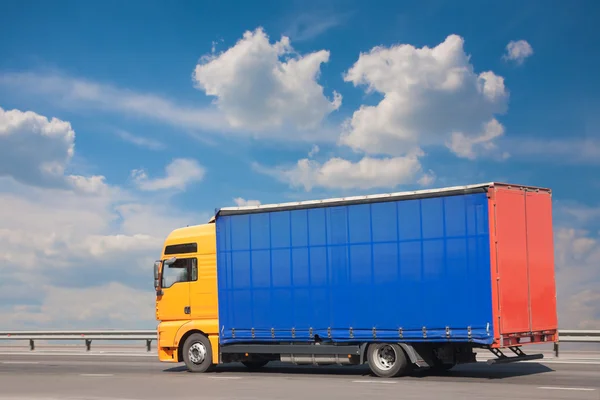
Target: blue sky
x,y
177,109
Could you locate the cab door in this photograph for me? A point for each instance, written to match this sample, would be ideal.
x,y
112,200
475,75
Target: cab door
x,y
203,291
173,298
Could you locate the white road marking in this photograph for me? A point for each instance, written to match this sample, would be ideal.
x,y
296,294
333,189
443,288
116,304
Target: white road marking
x,y
553,360
574,361
565,388
96,375
20,362
373,381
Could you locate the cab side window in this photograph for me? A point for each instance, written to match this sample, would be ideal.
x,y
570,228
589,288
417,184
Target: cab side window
x,y
182,270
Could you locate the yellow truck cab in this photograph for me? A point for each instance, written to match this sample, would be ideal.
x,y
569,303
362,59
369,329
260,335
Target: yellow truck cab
x,y
186,299
185,279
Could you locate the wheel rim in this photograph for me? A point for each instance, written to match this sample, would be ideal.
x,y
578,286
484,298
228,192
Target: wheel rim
x,y
197,353
385,357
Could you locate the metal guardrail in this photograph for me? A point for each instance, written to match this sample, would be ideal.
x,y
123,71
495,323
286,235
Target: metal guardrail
x,y
565,335
87,335
573,335
576,336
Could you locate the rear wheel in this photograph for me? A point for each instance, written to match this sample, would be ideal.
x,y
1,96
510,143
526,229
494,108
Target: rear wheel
x,y
387,360
197,353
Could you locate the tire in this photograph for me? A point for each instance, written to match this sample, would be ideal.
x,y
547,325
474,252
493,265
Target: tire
x,y
387,360
197,353
255,364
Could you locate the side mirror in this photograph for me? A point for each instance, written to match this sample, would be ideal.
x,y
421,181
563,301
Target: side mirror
x,y
156,267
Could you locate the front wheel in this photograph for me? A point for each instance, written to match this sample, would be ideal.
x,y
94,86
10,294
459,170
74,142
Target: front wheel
x,y
197,353
387,360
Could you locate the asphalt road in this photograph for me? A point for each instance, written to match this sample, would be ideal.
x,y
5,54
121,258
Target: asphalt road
x,y
106,376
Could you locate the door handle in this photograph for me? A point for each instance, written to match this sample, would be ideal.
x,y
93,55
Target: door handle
x,y
187,310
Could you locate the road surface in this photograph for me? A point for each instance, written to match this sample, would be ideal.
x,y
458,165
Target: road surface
x,y
111,374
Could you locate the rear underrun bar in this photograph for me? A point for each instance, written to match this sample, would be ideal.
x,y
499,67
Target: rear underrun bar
x,y
503,359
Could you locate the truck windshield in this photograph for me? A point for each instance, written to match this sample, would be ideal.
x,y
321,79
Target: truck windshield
x,y
180,271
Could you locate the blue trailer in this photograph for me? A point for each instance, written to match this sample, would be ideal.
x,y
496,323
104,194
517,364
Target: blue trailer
x,y
396,280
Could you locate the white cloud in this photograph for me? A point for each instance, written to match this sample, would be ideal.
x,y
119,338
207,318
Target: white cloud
x,y
241,202
467,147
108,306
314,151
199,122
429,94
307,26
257,90
565,150
139,217
338,173
572,213
35,150
66,243
60,228
178,175
427,179
431,97
83,239
518,51
140,141
578,280
76,93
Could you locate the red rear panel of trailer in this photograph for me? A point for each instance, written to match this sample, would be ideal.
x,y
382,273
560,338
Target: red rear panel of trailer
x,y
522,264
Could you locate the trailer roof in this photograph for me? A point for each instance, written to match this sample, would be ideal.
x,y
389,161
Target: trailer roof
x,y
372,198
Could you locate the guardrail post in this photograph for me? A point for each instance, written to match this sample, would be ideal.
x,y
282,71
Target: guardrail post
x,y
149,345
88,344
556,349
31,345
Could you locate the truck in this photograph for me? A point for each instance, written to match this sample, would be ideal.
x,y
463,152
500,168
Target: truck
x,y
398,281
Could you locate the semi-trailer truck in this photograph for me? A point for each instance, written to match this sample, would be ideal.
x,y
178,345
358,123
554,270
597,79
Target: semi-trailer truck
x,y
419,279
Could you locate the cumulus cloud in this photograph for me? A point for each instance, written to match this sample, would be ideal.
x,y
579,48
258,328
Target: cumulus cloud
x,y
431,96
100,307
257,88
178,175
241,202
35,150
73,236
64,242
578,282
518,51
59,228
338,173
467,147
